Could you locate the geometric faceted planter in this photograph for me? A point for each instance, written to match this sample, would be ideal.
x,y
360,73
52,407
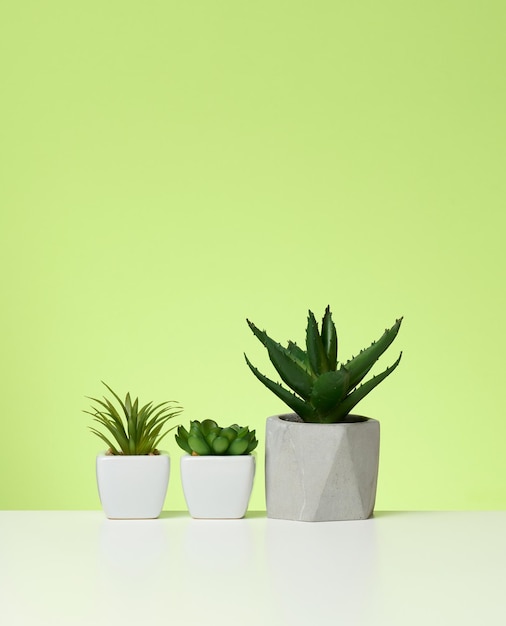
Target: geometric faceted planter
x,y
217,487
321,472
132,486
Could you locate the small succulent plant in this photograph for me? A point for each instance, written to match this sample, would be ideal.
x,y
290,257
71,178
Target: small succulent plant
x,y
136,431
325,391
207,438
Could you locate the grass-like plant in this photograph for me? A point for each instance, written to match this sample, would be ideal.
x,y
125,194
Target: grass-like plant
x,y
207,438
325,391
135,430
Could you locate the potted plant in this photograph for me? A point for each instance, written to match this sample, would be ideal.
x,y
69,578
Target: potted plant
x,y
321,461
132,475
218,470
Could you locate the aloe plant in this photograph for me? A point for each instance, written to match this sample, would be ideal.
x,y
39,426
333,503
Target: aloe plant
x,y
135,430
324,391
207,438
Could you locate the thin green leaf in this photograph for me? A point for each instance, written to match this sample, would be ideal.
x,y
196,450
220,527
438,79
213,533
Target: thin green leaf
x,y
128,406
117,398
110,445
115,432
144,425
111,412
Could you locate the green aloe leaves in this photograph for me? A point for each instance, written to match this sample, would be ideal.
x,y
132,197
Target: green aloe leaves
x,y
323,390
132,430
207,438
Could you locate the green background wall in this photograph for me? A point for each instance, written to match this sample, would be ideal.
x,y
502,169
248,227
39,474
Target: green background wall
x,y
171,168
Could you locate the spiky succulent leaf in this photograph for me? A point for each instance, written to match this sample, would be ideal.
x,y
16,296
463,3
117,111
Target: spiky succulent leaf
x,y
329,389
290,371
314,346
296,404
333,392
288,366
300,356
360,365
329,339
360,392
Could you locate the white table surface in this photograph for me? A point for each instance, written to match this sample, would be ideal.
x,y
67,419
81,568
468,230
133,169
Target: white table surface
x,y
77,567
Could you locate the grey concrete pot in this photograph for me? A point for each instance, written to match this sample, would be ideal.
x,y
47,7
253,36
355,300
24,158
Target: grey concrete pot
x,y
320,472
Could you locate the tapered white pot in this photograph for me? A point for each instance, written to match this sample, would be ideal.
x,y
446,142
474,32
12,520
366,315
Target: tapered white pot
x,y
321,472
133,487
217,487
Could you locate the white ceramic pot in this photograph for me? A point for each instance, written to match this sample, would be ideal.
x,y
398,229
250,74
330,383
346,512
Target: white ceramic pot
x,y
133,487
217,487
321,472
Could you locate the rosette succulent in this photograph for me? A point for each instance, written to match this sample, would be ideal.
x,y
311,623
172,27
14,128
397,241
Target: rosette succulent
x,y
324,390
133,430
207,438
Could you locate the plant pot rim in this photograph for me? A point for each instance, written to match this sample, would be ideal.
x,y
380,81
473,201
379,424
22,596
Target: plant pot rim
x,y
219,456
280,417
103,454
